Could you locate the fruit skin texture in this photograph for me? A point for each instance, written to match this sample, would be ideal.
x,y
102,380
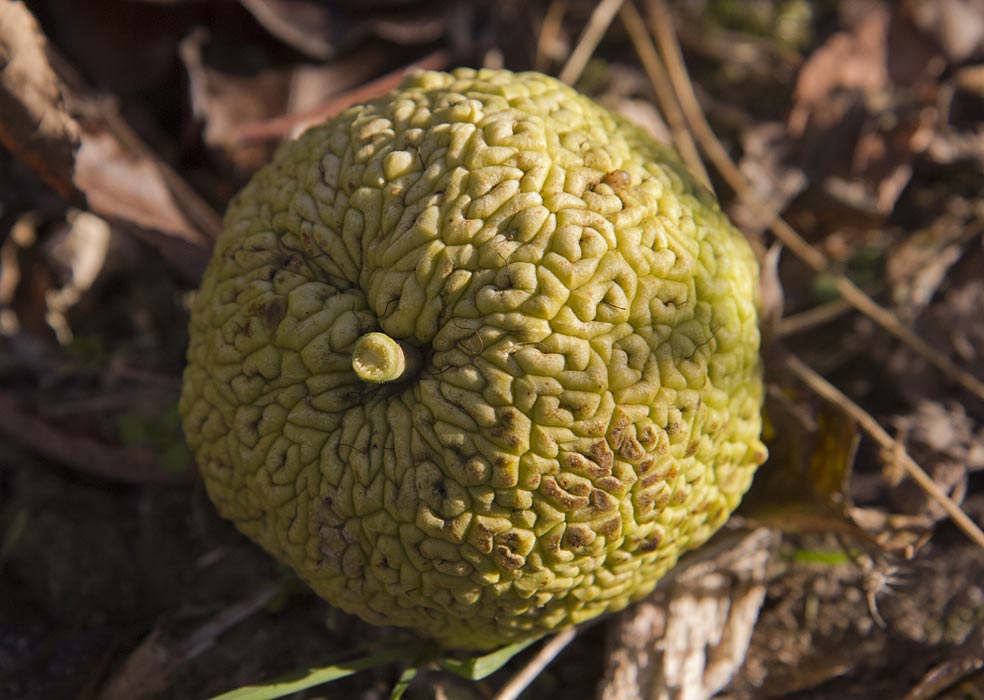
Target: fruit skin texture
x,y
585,401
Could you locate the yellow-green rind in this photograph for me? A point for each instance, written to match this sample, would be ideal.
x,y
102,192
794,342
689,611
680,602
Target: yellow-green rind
x,y
587,406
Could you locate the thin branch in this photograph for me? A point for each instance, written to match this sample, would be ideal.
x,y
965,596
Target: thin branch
x,y
892,447
660,81
661,25
549,30
813,317
518,683
598,24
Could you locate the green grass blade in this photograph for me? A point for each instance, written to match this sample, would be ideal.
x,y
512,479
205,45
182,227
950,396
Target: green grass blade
x,y
479,667
409,673
302,680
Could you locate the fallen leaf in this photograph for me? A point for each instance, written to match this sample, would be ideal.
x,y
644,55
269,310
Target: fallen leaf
x,y
322,30
861,108
769,162
850,61
85,151
79,252
942,438
804,483
957,25
221,100
35,125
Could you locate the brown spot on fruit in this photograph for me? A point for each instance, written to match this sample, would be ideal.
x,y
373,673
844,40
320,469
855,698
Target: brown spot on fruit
x,y
610,527
630,449
600,454
602,501
578,535
273,313
508,559
618,179
552,490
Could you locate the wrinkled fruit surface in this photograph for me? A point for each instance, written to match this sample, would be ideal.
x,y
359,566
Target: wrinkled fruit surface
x,y
581,397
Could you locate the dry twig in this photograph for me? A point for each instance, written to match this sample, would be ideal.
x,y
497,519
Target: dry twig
x,y
529,673
124,465
597,25
661,25
893,448
813,317
660,81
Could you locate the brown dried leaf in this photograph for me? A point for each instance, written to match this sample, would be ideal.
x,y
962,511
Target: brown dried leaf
x,y
85,149
858,131
942,438
35,125
767,160
950,146
804,483
78,252
848,62
883,158
147,671
123,465
954,324
280,127
957,25
321,30
220,101
919,266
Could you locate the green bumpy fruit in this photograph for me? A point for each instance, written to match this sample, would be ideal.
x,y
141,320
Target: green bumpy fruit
x,y
478,358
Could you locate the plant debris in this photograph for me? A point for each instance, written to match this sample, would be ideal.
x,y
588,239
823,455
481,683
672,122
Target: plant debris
x,y
127,125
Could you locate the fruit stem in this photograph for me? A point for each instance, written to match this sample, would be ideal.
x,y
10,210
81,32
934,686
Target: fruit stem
x,y
378,358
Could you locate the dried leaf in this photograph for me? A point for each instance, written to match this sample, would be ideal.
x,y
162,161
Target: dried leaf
x,y
147,670
917,268
322,30
80,251
769,164
803,485
35,125
858,129
952,323
942,438
848,62
92,152
958,25
221,101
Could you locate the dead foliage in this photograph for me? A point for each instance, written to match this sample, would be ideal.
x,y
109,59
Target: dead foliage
x,y
846,139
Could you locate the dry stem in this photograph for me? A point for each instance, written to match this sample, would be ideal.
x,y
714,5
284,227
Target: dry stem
x,y
598,24
661,25
895,449
660,81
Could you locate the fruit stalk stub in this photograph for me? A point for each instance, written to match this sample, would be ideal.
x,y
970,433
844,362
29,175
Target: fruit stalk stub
x,y
378,358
